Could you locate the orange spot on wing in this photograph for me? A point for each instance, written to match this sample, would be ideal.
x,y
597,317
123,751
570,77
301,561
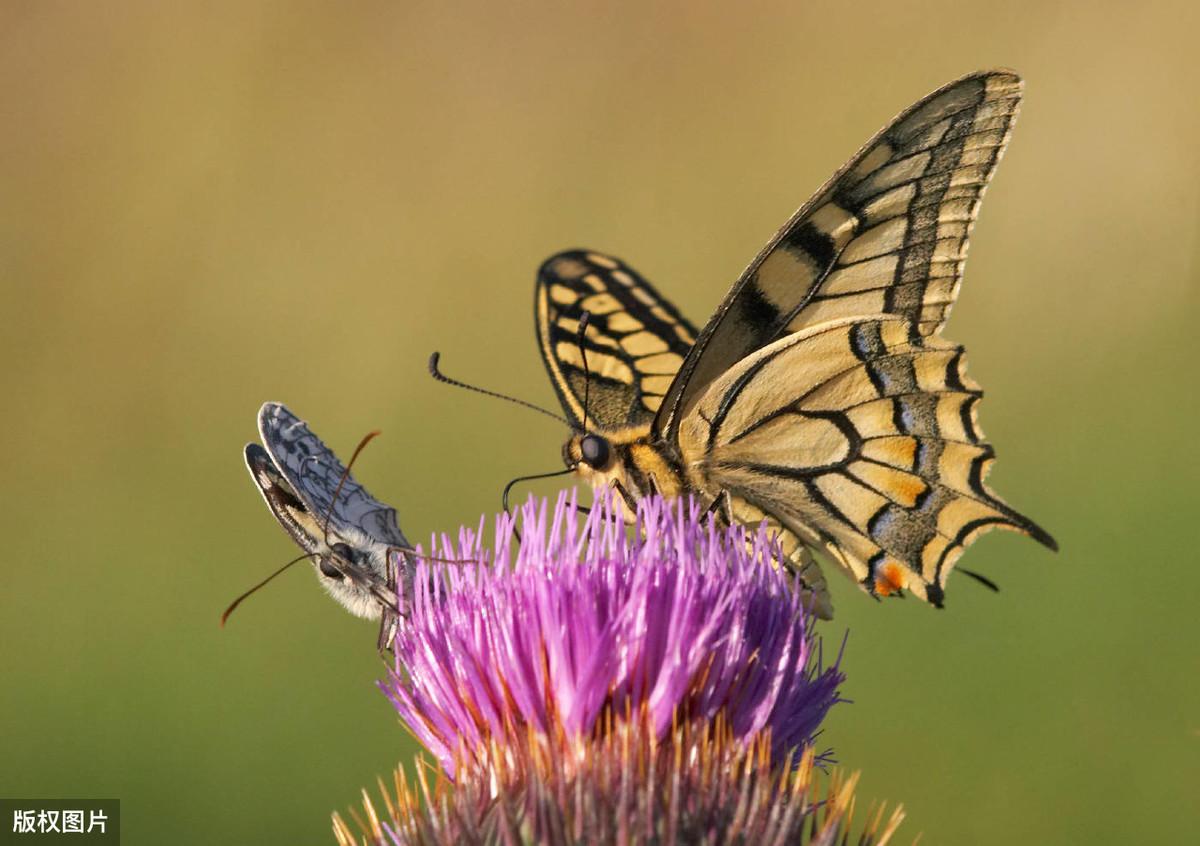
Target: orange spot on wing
x,y
889,579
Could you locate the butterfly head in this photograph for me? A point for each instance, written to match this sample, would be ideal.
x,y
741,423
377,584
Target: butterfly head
x,y
588,451
625,459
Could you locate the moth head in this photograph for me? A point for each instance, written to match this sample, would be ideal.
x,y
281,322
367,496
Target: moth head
x,y
354,571
351,565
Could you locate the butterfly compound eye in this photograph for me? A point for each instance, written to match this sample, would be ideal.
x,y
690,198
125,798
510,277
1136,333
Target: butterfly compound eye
x,y
594,450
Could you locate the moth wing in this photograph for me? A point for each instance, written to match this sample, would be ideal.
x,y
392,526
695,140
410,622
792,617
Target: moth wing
x,y
291,513
313,473
635,340
886,235
367,593
861,437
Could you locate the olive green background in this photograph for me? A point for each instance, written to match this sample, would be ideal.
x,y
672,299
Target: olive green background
x,y
201,210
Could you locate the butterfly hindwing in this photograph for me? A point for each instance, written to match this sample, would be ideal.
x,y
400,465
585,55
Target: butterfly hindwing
x,y
860,436
809,579
886,235
635,340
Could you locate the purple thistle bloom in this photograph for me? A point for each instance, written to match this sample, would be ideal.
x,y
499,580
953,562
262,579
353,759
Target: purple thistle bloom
x,y
679,623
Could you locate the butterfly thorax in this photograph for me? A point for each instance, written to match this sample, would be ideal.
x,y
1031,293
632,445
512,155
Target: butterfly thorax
x,y
628,459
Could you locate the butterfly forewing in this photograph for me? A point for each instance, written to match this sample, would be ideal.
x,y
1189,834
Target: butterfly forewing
x,y
886,235
635,340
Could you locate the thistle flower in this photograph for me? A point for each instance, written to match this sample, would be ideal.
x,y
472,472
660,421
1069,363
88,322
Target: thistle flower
x,y
655,684
683,620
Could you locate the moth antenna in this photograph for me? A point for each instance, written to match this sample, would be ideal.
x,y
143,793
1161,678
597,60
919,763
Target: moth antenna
x,y
587,376
367,438
442,377
238,601
982,579
412,550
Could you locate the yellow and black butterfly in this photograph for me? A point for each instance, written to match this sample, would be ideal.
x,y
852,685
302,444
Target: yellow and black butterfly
x,y
820,396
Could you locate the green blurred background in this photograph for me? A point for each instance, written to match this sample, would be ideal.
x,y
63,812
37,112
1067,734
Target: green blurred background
x,y
204,209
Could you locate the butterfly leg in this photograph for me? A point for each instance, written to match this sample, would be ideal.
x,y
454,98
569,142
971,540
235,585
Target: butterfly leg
x,y
626,496
722,506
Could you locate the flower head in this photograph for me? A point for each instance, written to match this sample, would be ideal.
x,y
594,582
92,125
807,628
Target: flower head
x,y
614,685
676,623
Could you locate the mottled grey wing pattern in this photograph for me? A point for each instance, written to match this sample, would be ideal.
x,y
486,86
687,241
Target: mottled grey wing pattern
x,y
313,472
886,235
635,339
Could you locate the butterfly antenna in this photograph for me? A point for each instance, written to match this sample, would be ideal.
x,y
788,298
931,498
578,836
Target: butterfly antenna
x,y
519,479
442,377
512,483
367,438
238,601
982,579
587,376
